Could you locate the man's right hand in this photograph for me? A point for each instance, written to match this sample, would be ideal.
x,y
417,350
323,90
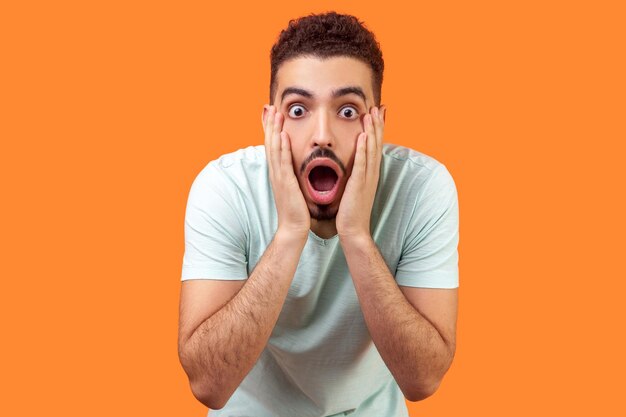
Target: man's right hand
x,y
293,214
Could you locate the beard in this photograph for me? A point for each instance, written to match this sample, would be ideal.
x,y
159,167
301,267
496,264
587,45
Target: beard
x,y
322,212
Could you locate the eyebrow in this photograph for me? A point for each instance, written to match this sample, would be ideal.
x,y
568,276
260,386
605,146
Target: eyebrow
x,y
350,90
344,91
295,90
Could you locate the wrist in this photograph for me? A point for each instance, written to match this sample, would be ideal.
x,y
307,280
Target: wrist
x,y
291,236
359,240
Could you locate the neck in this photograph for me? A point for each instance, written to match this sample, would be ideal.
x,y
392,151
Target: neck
x,y
324,228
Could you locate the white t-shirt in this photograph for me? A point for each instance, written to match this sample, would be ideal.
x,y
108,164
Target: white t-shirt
x,y
320,359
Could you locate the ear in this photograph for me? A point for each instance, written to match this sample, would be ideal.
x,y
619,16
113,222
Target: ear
x,y
266,109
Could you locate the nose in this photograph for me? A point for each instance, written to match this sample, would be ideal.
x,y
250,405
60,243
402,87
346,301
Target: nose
x,y
323,135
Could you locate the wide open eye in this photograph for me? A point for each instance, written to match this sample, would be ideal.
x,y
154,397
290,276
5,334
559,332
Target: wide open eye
x,y
296,111
349,112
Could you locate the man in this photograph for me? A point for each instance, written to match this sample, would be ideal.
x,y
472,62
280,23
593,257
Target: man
x,y
321,270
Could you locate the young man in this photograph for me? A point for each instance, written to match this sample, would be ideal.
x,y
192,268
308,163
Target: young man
x,y
321,270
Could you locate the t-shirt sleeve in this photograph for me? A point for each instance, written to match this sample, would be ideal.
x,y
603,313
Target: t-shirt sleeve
x,y
430,250
215,238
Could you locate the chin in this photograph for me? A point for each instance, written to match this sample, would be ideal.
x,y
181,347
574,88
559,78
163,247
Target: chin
x,y
323,212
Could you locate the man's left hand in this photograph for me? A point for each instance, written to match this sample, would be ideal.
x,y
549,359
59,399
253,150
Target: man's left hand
x,y
355,209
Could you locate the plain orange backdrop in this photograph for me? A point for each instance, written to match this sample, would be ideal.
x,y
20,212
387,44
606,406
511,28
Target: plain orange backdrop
x,y
110,109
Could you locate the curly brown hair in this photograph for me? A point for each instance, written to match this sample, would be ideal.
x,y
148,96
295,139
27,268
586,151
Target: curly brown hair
x,y
324,36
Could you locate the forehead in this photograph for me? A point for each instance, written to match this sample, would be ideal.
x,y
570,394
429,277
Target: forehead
x,y
323,76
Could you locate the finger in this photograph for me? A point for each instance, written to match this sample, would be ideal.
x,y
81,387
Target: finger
x,y
360,163
275,142
380,126
269,126
380,133
371,140
286,162
264,113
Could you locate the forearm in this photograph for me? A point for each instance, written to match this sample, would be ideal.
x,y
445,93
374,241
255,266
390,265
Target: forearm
x,y
225,347
412,348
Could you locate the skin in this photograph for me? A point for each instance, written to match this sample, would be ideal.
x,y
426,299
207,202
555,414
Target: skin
x,y
326,121
225,325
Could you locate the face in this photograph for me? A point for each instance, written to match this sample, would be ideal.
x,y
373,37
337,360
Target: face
x,y
323,102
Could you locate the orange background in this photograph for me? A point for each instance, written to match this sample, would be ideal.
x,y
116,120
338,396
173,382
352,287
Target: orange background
x,y
110,109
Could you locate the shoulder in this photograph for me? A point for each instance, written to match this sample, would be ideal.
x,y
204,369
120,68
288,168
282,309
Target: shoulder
x,y
237,171
396,155
243,162
406,167
238,177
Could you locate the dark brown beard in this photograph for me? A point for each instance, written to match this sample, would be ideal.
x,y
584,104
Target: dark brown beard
x,y
323,212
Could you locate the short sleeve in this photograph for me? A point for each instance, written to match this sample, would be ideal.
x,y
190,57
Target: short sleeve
x,y
215,238
429,256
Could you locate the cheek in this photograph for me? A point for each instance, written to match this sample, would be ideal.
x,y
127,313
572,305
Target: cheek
x,y
293,131
350,134
295,139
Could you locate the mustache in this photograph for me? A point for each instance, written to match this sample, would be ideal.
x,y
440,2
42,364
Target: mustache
x,y
322,153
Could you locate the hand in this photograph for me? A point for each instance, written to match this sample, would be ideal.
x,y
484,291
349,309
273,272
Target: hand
x,y
355,209
293,213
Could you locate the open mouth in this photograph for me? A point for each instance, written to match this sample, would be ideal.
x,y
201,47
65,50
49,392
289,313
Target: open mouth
x,y
323,177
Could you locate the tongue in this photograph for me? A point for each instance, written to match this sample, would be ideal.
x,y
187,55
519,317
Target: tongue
x,y
323,178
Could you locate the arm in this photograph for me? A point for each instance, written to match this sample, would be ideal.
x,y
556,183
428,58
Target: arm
x,y
219,352
223,332
412,328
